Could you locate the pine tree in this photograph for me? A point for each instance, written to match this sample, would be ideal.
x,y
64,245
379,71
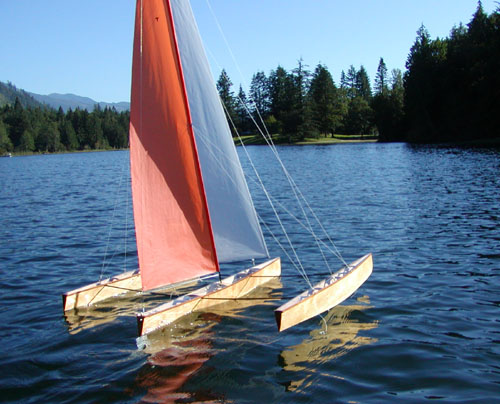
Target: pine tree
x,y
277,87
362,84
226,95
381,82
322,93
5,142
259,94
242,112
350,82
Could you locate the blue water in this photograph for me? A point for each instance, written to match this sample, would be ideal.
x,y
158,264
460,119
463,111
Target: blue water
x,y
425,326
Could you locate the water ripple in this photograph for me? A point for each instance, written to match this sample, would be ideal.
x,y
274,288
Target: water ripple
x,y
425,326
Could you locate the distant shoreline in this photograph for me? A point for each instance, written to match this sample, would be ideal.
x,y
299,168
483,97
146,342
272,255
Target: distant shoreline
x,y
306,142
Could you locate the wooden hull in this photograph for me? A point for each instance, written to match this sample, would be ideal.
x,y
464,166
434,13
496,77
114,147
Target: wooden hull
x,y
96,292
324,295
232,287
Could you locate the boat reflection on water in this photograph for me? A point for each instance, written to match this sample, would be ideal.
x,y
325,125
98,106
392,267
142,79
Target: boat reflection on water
x,y
326,344
124,305
176,353
179,351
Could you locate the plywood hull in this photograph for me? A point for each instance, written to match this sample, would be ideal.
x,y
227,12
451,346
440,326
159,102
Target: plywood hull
x,y
324,295
232,287
96,292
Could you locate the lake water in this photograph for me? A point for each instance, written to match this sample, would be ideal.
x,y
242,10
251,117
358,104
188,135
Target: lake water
x,y
426,324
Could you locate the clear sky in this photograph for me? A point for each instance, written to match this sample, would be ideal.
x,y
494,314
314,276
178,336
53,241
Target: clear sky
x,y
85,47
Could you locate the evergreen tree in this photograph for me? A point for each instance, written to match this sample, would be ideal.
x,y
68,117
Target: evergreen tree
x,y
322,94
296,116
362,84
68,135
48,137
358,120
17,121
381,82
388,111
350,82
226,95
277,87
343,81
5,142
243,121
27,141
259,94
423,81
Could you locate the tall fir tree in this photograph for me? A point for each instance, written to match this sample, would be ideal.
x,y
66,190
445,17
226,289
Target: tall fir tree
x,y
226,95
381,81
322,93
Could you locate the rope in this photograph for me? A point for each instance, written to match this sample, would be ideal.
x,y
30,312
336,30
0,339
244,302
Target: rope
x,y
299,267
268,138
126,229
104,262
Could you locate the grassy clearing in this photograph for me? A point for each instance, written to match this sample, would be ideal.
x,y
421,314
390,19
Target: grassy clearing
x,y
277,139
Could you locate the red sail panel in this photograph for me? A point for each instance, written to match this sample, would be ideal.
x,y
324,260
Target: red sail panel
x,y
173,232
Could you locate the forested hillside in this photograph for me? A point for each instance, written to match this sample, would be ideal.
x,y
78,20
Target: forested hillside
x,y
42,129
9,93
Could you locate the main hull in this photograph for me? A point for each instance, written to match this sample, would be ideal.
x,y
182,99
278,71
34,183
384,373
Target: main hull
x,y
230,288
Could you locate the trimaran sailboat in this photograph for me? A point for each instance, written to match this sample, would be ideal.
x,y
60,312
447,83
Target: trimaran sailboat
x,y
192,206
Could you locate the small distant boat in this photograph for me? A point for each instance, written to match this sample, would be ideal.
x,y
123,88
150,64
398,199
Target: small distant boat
x,y
192,206
6,154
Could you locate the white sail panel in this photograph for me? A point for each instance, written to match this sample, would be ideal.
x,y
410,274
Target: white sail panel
x,y
236,229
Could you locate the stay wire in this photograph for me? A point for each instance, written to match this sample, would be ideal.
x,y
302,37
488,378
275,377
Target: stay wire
x,y
268,138
299,267
106,261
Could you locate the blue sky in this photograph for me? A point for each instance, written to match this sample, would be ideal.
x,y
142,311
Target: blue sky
x,y
85,47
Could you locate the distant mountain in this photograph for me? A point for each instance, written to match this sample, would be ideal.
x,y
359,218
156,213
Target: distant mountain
x,y
9,92
67,101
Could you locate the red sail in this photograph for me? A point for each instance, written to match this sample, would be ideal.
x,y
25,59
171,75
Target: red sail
x,y
174,236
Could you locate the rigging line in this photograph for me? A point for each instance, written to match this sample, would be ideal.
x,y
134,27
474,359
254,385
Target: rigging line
x,y
273,148
301,270
304,276
246,108
268,138
111,225
225,41
299,222
127,197
292,185
295,189
292,182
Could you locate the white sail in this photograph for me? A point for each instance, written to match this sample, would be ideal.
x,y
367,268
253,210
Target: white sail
x,y
236,229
